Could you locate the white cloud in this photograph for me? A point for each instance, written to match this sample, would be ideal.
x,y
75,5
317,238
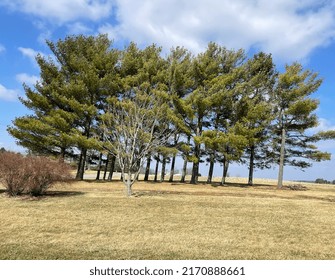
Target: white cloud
x,y
46,33
78,28
62,11
28,52
323,125
8,94
31,54
27,79
290,29
2,48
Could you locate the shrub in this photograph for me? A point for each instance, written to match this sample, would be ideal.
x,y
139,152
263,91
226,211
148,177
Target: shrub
x,y
30,175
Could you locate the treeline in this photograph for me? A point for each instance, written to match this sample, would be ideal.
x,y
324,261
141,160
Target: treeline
x,y
324,181
135,105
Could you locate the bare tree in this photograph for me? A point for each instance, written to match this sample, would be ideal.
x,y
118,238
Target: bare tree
x,y
133,130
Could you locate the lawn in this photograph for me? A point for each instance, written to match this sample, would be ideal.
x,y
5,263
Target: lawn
x,y
94,220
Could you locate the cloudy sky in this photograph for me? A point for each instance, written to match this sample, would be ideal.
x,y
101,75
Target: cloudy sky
x,y
292,30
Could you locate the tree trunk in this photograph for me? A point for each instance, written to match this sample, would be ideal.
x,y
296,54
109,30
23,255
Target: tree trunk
x,y
156,168
251,166
61,157
81,165
281,160
195,169
163,169
183,173
128,185
106,167
211,168
225,171
173,162
111,169
147,169
137,176
195,172
99,167
88,164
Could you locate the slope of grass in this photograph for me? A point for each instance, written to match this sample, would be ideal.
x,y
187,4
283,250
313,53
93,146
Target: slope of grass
x,y
93,220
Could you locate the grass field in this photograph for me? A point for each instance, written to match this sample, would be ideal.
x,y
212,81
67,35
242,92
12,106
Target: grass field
x,y
94,220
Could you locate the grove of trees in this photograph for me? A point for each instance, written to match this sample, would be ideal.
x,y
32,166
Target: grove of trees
x,y
136,105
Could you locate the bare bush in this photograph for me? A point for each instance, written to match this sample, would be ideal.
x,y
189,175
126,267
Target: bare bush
x,y
296,187
11,172
30,175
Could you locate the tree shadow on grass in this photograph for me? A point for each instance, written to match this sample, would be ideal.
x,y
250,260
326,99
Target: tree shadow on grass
x,y
242,185
153,182
90,181
178,183
214,184
47,194
61,193
51,195
100,181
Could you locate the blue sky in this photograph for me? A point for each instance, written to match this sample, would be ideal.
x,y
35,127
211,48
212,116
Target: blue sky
x,y
292,30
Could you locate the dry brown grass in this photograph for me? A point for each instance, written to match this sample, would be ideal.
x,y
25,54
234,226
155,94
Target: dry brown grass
x,y
94,220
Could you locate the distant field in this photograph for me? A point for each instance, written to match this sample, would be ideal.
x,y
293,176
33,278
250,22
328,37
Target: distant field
x,y
94,220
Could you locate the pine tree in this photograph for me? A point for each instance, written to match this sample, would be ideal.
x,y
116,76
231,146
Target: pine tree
x,y
294,115
223,96
90,66
47,130
206,67
67,100
179,84
255,109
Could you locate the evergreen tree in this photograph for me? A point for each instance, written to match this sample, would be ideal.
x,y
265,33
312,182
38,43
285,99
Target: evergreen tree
x,y
90,66
223,94
47,130
98,100
179,84
68,100
256,110
294,115
196,105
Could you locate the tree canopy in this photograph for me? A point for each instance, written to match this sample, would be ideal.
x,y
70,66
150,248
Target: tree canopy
x,y
218,106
